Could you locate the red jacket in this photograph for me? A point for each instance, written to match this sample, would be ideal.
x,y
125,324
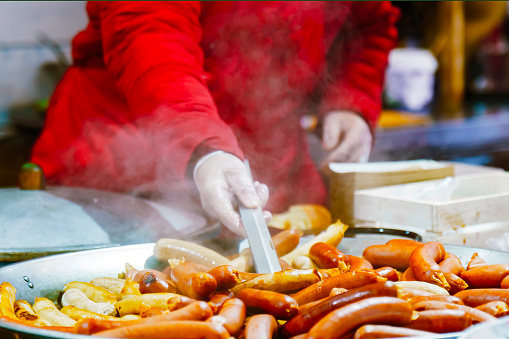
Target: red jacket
x,y
154,83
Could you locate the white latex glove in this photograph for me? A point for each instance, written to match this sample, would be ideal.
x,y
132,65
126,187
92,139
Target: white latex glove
x,y
346,138
221,178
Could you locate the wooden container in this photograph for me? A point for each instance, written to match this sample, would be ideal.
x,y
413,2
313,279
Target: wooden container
x,y
476,200
348,178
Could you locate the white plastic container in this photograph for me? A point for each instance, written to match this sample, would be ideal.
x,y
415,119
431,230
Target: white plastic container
x,y
410,79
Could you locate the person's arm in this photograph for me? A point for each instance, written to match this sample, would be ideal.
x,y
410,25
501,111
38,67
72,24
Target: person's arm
x,y
357,60
351,95
152,50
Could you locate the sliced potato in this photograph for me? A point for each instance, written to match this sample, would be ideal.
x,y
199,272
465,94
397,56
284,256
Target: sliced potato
x,y
113,285
47,311
93,292
166,248
132,305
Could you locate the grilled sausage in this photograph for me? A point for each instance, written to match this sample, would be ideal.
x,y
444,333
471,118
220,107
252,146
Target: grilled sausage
x,y
389,255
388,272
478,297
327,256
476,262
168,330
495,308
286,241
192,283
217,300
276,304
477,315
261,326
385,331
347,280
436,297
486,276
232,316
441,321
196,311
151,283
423,262
357,263
384,310
307,318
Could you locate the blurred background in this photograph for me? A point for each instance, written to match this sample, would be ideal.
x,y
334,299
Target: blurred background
x,y
446,95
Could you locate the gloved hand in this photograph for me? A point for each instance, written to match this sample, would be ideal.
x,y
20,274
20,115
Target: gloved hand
x,y
347,138
221,178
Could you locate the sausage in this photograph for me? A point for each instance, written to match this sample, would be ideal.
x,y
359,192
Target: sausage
x,y
75,297
279,305
165,301
327,256
423,262
337,291
347,280
151,283
441,321
231,316
357,263
226,276
476,314
24,312
436,297
476,262
168,330
286,241
451,264
505,282
456,283
389,255
165,249
95,293
486,276
148,312
199,310
130,289
261,326
385,331
385,310
217,300
480,296
307,318
388,272
408,275
47,311
179,302
283,281
403,242
332,236
194,284
495,308
451,267
139,275
113,285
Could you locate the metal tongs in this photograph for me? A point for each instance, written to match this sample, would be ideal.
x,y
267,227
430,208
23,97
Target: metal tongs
x,y
260,242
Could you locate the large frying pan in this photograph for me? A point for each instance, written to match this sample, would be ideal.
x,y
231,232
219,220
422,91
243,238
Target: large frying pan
x,y
46,276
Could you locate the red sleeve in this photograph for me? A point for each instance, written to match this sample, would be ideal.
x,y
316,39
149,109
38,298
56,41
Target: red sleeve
x,y
152,50
358,58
